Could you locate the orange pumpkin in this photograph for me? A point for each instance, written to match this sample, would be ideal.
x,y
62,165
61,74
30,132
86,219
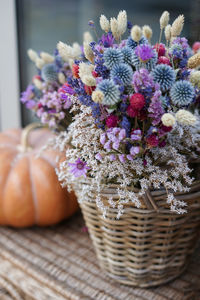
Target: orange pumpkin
x,y
30,192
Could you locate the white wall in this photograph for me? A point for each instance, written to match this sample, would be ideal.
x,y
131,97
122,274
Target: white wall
x,y
9,73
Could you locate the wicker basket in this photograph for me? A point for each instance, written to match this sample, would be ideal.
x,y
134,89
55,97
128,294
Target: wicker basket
x,y
147,246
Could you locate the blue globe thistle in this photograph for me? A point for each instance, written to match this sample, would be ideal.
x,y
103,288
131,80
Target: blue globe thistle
x,y
127,55
49,73
182,93
133,44
123,72
149,65
165,76
176,48
110,91
112,57
164,101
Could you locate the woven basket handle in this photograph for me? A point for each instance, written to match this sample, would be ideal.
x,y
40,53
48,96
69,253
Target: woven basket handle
x,y
149,201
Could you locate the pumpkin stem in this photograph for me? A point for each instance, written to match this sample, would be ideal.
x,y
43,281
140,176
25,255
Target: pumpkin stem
x,y
24,146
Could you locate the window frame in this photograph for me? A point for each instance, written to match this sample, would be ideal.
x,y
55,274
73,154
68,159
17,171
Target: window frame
x,y
10,115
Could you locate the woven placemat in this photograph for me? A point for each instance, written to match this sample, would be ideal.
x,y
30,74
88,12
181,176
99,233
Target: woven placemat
x,y
59,262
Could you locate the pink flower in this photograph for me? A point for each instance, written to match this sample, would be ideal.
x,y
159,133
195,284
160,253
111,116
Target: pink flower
x,y
164,60
196,47
79,168
112,121
160,48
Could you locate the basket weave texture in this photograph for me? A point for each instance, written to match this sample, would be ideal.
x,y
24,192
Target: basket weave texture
x,y
147,246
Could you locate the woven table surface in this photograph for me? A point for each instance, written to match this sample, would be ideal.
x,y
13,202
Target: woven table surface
x,y
59,263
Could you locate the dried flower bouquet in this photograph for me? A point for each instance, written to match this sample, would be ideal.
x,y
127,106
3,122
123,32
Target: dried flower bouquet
x,y
134,134
136,104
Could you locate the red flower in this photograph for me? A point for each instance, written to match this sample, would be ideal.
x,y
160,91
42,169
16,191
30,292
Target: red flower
x,y
160,48
89,89
152,140
75,71
131,112
112,121
164,60
39,105
137,101
95,74
196,47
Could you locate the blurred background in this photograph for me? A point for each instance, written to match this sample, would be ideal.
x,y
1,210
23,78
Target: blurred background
x,y
40,24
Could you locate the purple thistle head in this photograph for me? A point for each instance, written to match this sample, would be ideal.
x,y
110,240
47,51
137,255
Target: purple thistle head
x,y
144,52
107,40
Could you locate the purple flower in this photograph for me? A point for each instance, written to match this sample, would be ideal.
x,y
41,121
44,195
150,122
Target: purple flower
x,y
129,157
103,138
144,52
136,135
79,168
142,79
182,41
67,89
122,134
112,157
30,104
116,145
27,94
134,150
122,158
155,108
67,101
107,40
107,145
